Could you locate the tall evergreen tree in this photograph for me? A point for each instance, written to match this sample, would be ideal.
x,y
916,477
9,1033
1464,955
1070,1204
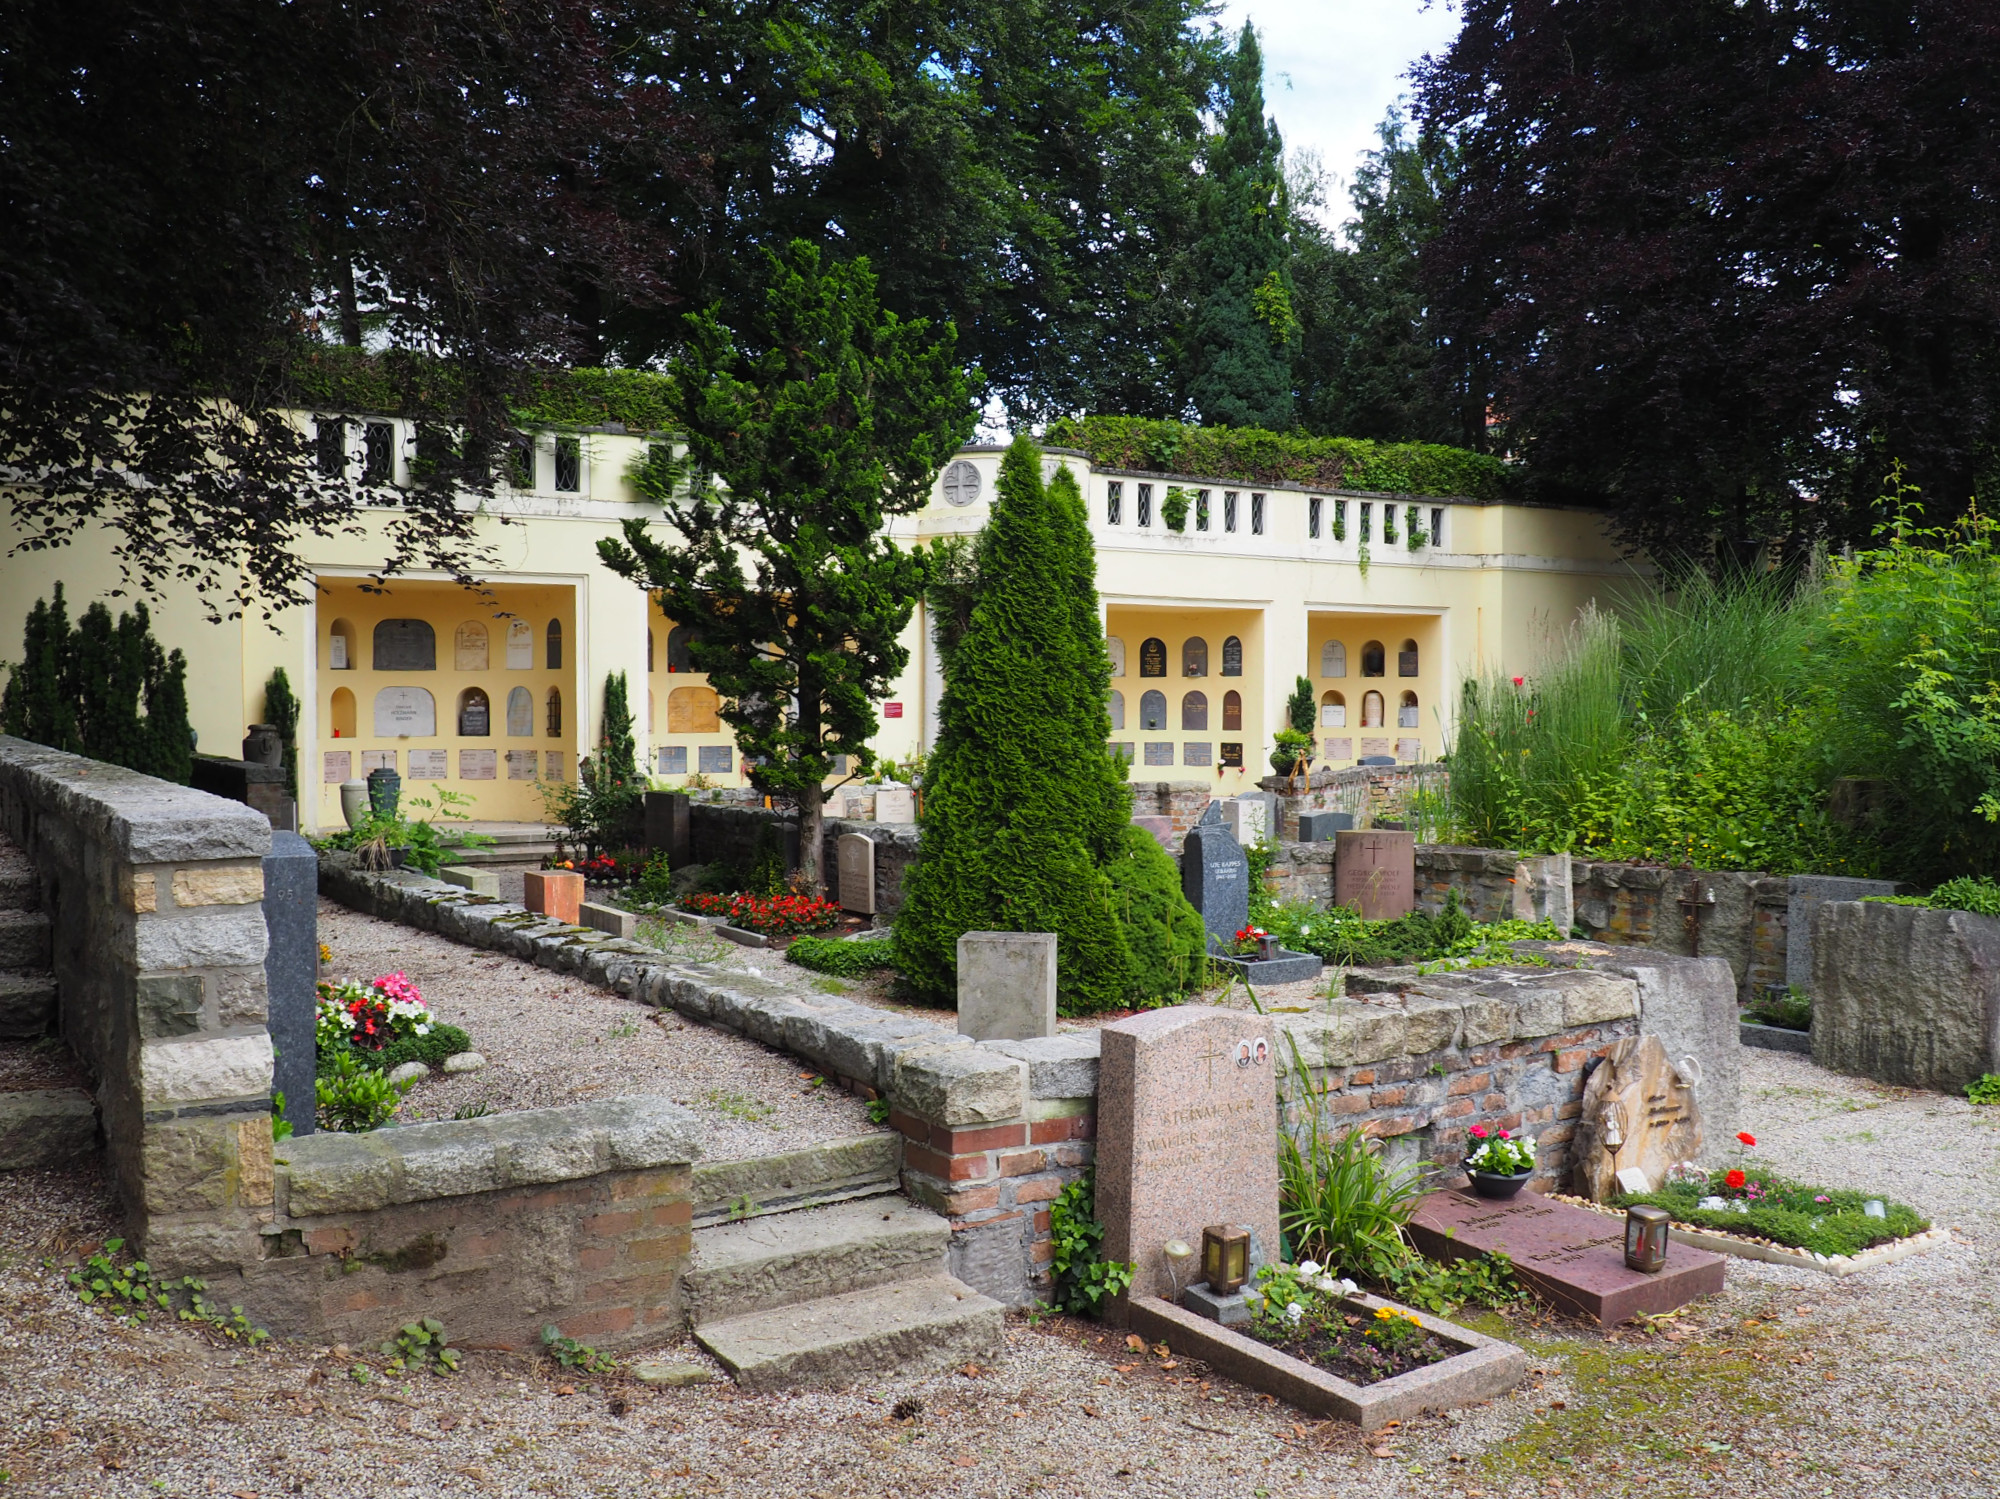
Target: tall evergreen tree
x,y
167,741
36,705
80,690
617,755
1242,328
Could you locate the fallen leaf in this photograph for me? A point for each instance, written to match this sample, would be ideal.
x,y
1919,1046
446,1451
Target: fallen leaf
x,y
447,1422
1380,1452
964,1462
1162,1349
1134,1342
970,1371
1170,1364
568,1389
1090,1410
1123,1368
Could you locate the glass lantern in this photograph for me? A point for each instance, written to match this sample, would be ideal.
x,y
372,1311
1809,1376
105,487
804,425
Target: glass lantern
x,y
1646,1238
1225,1258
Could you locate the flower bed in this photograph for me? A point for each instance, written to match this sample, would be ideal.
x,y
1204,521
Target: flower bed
x,y
1306,1313
1752,1203
363,1031
772,915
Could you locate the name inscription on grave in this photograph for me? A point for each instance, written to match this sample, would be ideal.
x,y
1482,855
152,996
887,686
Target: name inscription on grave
x,y
1189,1136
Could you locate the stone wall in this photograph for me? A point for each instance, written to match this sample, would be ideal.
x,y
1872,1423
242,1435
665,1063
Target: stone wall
x,y
155,893
1371,794
1180,802
730,835
1906,995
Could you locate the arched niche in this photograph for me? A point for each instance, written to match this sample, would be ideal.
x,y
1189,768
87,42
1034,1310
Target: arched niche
x,y
1332,710
1114,649
1153,710
1194,657
475,714
1152,657
649,652
1374,660
678,640
1406,712
555,645
1117,709
1232,711
1232,656
1371,709
468,647
1333,659
1194,712
405,713
341,712
521,644
520,714
1406,660
341,640
552,722
404,645
694,710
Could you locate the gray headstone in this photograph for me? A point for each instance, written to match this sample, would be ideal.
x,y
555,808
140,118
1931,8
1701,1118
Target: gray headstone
x,y
1215,876
1542,891
609,919
1808,891
669,828
854,855
1006,985
1247,819
1319,827
291,967
404,645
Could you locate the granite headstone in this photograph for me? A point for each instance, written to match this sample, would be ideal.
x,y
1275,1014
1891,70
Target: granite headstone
x,y
1215,876
895,804
855,858
291,968
1319,827
670,827
1806,893
1375,872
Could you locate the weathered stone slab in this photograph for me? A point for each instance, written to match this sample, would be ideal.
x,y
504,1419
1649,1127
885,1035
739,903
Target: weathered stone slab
x,y
855,855
1570,1255
1320,827
1542,892
1906,995
1186,1113
465,877
1246,817
1807,893
291,969
608,919
1375,872
1006,985
1059,1066
1639,1114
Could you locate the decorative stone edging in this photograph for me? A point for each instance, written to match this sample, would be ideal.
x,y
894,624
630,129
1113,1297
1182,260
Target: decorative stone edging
x,y
1775,1038
1486,1368
1934,1237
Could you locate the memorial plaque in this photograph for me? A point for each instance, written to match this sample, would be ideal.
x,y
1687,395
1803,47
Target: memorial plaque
x,y
1336,749
520,714
522,764
716,759
1639,1114
430,764
337,766
377,760
475,715
521,646
1215,876
1232,657
405,645
1409,751
1232,754
895,804
1114,649
1197,754
1374,746
552,765
1376,873
477,765
855,857
1159,754
1153,657
468,647
405,713
1186,1113
673,760
1121,749
336,653
1575,1258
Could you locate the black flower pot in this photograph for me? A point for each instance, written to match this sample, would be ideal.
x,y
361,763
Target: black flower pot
x,y
1497,1188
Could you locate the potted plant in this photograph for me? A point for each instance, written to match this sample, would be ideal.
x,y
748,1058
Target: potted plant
x,y
1499,1165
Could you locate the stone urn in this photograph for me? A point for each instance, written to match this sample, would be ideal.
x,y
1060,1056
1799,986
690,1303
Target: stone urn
x,y
385,791
1495,1187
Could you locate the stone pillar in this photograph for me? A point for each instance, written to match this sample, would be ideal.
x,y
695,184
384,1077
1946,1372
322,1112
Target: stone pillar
x,y
1006,985
291,971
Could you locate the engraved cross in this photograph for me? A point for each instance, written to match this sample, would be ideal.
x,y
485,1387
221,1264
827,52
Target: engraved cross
x,y
1209,1057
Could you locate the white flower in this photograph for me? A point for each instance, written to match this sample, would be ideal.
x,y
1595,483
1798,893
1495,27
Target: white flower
x,y
1346,1286
1308,1267
1295,1312
1712,1205
423,1030
1327,1284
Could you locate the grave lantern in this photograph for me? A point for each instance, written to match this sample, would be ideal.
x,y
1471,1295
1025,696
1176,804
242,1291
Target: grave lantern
x,y
1646,1238
1225,1257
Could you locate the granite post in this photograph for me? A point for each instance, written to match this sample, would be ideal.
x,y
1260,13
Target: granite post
x,y
291,969
669,827
1215,877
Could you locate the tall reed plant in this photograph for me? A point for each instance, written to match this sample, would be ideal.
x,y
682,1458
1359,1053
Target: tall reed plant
x,y
1339,1202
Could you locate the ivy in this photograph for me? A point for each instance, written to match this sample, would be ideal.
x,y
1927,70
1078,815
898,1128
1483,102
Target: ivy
x,y
1082,1280
399,384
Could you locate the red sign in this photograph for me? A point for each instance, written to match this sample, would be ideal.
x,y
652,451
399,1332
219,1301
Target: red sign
x,y
892,710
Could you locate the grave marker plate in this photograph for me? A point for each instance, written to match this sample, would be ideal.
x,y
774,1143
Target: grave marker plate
x,y
895,804
1336,749
1319,827
337,766
855,854
1186,1113
405,645
468,648
716,759
1215,876
673,760
377,760
477,765
430,764
1376,872
522,764
1572,1256
521,646
552,763
405,712
1159,754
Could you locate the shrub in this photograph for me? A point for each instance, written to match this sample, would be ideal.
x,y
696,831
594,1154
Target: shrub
x,y
353,1097
1787,1009
1168,942
841,959
1976,894
1984,1089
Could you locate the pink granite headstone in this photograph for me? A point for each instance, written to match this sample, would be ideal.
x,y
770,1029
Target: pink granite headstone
x,y
1376,873
1187,1134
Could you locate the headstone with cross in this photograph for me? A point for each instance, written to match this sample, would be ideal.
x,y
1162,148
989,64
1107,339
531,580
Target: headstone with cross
x,y
1186,1116
1375,872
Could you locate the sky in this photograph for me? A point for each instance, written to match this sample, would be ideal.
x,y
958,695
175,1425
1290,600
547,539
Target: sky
x,y
1332,67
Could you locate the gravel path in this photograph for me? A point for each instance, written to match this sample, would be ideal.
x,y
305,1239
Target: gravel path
x,y
550,1040
1790,1383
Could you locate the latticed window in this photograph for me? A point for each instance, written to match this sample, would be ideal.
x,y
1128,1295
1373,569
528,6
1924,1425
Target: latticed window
x,y
521,461
1114,503
1145,504
378,463
1256,515
1314,507
569,464
330,447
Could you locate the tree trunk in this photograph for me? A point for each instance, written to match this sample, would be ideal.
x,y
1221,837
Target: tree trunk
x,y
812,818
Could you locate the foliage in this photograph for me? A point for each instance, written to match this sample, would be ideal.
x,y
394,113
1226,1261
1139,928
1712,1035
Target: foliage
x,y
1788,1009
354,1097
1975,893
574,1355
1019,828
655,884
1082,1280
1752,1200
81,690
1168,942
427,842
773,915
1292,749
421,1345
841,959
1253,456
1241,329
1984,1089
1443,1286
617,760
1301,712
368,1017
281,711
1499,1154
878,1111
597,811
135,1292
1174,508
1451,938
821,415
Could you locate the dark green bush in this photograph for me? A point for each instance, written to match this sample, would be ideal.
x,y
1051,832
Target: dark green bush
x,y
443,1041
1168,941
1974,893
841,959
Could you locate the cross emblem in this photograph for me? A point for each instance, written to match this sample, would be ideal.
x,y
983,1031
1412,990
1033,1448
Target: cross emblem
x,y
1209,1057
1372,847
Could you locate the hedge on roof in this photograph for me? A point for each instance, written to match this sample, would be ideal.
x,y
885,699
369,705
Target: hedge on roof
x,y
402,384
1251,455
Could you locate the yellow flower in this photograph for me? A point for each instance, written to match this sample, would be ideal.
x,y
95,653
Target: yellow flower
x,y
1383,1314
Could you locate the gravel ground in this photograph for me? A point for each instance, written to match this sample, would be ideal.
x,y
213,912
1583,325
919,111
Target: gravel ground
x,y
1789,1383
550,1040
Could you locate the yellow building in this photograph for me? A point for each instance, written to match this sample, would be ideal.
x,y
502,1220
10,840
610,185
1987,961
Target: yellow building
x,y
1384,602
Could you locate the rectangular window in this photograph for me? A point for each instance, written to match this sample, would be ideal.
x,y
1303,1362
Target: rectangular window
x,y
1201,510
1229,510
1256,515
1114,503
1367,518
1437,527
330,447
569,464
378,463
521,461
1314,507
1145,504
1340,520
1388,522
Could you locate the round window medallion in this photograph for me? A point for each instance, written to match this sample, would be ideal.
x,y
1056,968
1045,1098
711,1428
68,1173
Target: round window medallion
x,y
961,483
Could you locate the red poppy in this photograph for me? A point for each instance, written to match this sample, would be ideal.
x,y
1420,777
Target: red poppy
x,y
1735,1180
1746,1137
1519,680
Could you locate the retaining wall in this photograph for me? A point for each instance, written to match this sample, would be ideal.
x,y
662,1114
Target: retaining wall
x,y
1906,995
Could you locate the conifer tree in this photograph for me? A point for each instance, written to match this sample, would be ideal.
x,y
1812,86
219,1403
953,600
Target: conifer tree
x,y
1024,810
281,711
80,690
1243,330
617,756
36,704
167,742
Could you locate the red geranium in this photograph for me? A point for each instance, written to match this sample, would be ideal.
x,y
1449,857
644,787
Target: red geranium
x,y
774,916
1746,1137
1734,1181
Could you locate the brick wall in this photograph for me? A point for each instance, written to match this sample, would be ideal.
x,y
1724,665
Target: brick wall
x,y
1181,802
1369,793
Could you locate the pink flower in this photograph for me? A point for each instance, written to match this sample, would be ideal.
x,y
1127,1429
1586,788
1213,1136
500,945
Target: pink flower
x,y
1478,1132
1504,1135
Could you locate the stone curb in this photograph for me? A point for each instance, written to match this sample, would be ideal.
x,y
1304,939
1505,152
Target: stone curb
x,y
1774,1037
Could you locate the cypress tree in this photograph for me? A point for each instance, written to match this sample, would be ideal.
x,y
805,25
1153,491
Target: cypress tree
x,y
1023,806
281,710
36,705
168,741
617,756
80,689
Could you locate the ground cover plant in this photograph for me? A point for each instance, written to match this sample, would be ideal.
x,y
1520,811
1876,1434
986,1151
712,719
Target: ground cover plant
x,y
1305,1312
1082,1280
427,843
364,1031
841,959
1342,936
1751,1200
1789,1009
1974,893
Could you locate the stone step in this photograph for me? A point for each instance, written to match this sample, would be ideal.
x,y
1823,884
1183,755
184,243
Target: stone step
x,y
858,1166
27,1005
784,1259
24,942
20,890
910,1327
46,1127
